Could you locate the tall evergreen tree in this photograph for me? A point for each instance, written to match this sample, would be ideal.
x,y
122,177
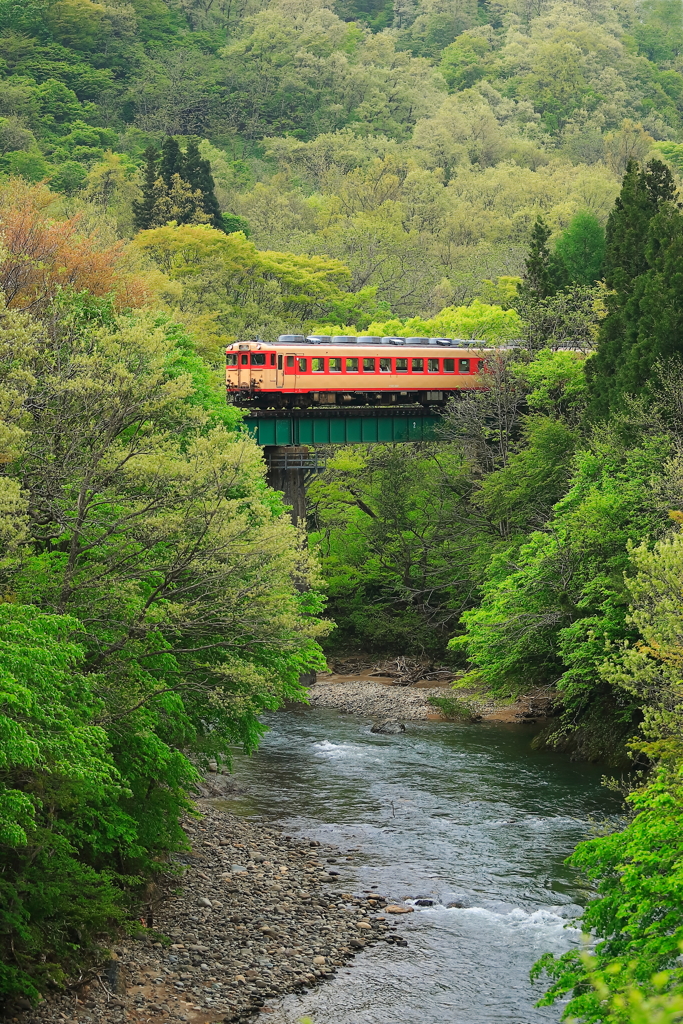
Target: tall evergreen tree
x,y
171,160
610,372
659,294
197,172
543,271
143,211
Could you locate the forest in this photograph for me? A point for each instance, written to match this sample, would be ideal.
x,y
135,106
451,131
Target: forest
x,y
175,174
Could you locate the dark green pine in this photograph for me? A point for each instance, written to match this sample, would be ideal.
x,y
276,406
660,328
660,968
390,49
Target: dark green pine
x,y
197,172
171,160
616,369
543,270
143,211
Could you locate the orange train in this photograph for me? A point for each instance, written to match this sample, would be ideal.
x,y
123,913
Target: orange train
x,y
302,372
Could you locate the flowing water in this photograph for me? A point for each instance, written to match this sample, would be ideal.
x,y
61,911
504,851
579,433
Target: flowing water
x,y
464,814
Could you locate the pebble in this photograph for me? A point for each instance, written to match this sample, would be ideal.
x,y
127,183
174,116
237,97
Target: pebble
x,y
376,700
225,941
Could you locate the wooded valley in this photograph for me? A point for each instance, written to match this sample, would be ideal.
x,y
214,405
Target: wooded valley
x,y
177,174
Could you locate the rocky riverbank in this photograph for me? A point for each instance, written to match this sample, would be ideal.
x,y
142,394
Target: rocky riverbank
x,y
371,700
256,915
364,696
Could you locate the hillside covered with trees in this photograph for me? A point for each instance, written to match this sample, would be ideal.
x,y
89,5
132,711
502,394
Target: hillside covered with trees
x,y
178,174
415,144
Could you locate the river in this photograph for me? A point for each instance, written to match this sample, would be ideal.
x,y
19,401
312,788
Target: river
x,y
465,814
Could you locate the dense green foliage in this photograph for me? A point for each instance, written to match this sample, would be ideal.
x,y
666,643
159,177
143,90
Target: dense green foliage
x,y
542,532
155,596
217,169
638,916
417,144
642,271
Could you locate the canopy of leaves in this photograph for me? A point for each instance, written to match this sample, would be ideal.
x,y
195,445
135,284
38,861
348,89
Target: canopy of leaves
x,y
156,597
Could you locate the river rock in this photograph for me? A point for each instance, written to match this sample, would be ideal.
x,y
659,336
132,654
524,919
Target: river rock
x,y
394,908
240,937
390,726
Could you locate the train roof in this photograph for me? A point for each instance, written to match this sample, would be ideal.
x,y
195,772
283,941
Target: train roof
x,y
330,345
368,339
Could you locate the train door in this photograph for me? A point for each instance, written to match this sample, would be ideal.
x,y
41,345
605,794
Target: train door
x,y
243,370
279,371
290,369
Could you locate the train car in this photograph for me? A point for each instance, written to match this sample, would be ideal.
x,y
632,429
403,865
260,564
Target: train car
x,y
302,372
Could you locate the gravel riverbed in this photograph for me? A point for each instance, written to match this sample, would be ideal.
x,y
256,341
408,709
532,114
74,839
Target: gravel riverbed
x,y
256,915
361,697
386,700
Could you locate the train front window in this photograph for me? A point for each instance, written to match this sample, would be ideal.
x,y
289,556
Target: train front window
x,y
401,366
317,365
352,365
258,358
231,360
449,366
432,366
301,365
418,365
463,366
244,360
385,366
334,365
368,366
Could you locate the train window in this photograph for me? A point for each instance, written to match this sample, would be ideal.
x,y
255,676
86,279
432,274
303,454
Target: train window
x,y
463,366
317,364
432,366
272,359
258,358
385,366
368,365
334,365
244,360
418,365
352,365
290,361
301,365
279,362
480,365
401,366
231,360
449,366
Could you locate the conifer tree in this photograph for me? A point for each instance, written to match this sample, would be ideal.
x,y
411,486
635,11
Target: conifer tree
x,y
543,272
197,173
612,372
143,211
660,335
171,160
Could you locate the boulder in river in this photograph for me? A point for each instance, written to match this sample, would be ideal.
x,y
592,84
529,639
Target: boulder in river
x,y
389,726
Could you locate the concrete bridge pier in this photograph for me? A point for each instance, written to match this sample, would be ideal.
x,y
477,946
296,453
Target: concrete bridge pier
x,y
287,468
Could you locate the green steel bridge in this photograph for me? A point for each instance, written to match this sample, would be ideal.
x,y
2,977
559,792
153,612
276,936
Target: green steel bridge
x,y
291,439
366,425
